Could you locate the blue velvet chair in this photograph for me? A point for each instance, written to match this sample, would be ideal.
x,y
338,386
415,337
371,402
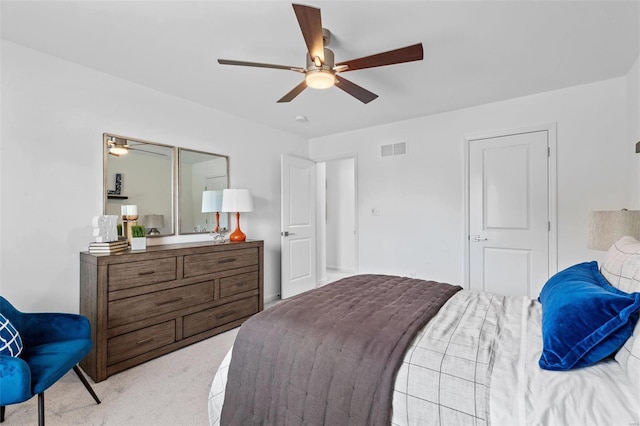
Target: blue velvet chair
x,y
54,343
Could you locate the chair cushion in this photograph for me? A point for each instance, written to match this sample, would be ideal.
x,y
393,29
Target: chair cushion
x,y
50,361
10,341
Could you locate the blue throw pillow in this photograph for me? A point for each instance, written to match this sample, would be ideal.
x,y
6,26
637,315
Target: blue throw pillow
x,y
10,341
584,318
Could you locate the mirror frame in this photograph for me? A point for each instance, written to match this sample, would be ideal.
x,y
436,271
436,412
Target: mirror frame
x,y
174,173
180,179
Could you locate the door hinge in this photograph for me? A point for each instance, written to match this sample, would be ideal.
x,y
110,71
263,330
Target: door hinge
x,y
548,151
549,226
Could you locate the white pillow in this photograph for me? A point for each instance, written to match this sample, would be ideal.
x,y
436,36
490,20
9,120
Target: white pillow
x,y
621,268
621,265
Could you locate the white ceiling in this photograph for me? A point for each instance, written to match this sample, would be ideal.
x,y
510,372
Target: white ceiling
x,y
475,51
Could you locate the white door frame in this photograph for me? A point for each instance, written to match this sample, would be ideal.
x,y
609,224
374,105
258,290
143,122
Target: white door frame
x,y
552,190
356,257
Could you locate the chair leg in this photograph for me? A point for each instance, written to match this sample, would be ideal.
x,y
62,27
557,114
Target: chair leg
x,y
1,413
86,383
41,409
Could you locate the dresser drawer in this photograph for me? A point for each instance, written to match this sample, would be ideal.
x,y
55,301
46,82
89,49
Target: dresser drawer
x,y
214,317
137,342
239,283
134,274
206,263
136,308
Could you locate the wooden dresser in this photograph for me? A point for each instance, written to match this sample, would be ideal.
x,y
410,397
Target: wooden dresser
x,y
143,304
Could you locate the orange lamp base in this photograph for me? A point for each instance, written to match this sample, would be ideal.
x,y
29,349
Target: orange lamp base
x,y
237,235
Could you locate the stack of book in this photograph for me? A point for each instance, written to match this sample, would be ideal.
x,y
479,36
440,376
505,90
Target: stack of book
x,y
108,248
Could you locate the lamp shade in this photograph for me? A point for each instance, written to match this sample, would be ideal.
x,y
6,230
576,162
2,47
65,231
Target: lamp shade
x,y
211,201
237,200
154,221
607,227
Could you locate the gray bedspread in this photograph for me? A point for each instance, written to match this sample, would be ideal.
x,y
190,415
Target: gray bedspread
x,y
328,356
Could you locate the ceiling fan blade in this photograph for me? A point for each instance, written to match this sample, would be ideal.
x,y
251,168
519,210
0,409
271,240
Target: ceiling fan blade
x,y
397,56
362,94
311,25
148,152
259,65
293,93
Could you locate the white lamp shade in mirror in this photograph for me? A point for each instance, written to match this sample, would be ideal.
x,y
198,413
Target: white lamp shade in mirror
x,y
211,201
237,200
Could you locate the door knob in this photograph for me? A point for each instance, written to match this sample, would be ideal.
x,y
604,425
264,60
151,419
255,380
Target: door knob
x,y
287,233
477,238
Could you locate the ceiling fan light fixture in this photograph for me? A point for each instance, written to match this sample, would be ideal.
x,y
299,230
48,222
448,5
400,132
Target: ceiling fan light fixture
x,y
118,150
320,79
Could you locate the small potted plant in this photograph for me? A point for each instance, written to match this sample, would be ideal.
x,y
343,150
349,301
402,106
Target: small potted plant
x,y
138,238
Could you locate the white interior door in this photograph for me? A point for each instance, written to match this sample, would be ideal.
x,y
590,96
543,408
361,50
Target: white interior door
x,y
298,226
509,204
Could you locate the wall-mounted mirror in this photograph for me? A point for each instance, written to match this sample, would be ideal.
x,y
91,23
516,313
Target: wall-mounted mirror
x,y
198,172
141,173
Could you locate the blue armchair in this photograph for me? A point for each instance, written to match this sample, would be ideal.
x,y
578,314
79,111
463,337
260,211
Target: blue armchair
x,y
53,343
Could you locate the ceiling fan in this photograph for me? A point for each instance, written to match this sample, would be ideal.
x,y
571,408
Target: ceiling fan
x,y
119,146
321,71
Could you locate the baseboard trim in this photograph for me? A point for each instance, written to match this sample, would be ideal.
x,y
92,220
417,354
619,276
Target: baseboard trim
x,y
340,269
272,298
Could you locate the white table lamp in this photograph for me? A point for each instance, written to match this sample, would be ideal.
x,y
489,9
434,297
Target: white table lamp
x,y
237,200
607,227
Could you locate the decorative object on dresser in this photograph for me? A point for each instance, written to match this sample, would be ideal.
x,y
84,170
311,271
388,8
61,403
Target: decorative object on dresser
x,y
138,238
142,305
237,200
129,218
108,248
105,228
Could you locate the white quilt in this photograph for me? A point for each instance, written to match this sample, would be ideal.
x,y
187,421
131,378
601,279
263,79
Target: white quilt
x,y
476,363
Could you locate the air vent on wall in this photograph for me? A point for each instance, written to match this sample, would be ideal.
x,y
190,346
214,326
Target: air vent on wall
x,y
390,150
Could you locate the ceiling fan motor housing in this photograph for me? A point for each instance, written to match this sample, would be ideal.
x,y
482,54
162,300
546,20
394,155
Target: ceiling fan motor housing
x,y
326,37
329,61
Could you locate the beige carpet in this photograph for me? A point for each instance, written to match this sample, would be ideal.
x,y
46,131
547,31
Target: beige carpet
x,y
170,390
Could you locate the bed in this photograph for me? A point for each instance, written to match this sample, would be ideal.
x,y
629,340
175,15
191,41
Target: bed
x,y
481,359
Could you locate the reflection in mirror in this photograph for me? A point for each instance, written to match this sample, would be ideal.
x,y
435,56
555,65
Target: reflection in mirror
x,y
199,172
140,173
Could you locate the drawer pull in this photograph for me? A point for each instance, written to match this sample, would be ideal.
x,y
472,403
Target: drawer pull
x,y
231,259
168,302
225,314
140,342
146,273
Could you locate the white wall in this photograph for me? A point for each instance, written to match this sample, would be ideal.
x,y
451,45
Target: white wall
x,y
420,196
53,116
